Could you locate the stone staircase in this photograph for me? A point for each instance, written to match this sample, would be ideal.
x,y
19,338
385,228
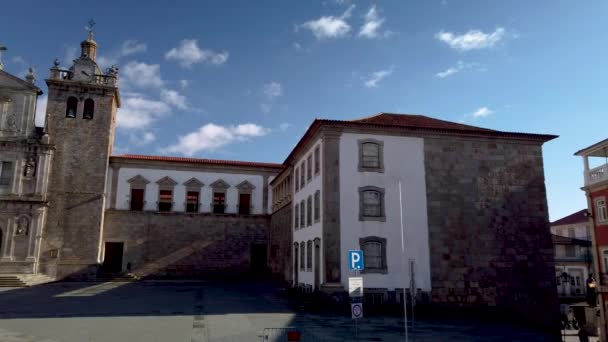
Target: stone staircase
x,y
11,281
22,280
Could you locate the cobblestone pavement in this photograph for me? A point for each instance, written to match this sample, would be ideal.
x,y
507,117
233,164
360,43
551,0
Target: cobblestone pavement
x,y
203,312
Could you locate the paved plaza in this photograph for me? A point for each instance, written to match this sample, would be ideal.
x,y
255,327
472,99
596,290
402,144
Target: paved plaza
x,y
201,312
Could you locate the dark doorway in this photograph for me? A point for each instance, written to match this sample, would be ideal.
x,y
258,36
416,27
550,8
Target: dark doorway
x,y
244,204
137,199
258,257
295,266
317,264
112,261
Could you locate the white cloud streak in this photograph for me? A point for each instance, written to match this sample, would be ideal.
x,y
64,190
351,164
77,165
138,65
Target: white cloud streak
x,y
188,53
460,66
372,25
273,89
327,27
471,40
211,137
375,77
127,48
139,112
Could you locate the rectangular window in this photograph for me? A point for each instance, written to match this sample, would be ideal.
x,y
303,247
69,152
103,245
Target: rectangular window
x,y
570,251
6,173
309,211
137,199
309,167
605,255
244,204
371,155
165,200
303,174
317,206
192,201
601,211
297,179
302,212
371,204
374,250
219,202
317,160
296,218
309,256
302,252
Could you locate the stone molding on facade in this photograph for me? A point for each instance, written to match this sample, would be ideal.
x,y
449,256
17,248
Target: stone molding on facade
x,y
138,182
193,184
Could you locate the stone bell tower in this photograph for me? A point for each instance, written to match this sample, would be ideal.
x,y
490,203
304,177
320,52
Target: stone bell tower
x,y
80,121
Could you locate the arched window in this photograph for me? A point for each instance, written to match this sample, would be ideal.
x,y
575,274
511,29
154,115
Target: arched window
x,y
71,107
89,109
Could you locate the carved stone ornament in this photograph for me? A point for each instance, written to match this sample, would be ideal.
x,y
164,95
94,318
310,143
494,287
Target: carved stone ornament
x,y
30,167
11,123
23,226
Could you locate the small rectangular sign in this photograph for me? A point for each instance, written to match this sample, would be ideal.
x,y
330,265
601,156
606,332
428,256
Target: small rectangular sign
x,y
355,260
355,286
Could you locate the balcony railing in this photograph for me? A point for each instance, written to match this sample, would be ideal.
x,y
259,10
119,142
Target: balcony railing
x,y
597,174
61,74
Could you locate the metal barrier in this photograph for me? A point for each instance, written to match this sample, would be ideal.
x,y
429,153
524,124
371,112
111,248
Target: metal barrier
x,y
289,334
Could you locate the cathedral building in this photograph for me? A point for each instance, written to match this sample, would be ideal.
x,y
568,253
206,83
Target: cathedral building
x,y
471,202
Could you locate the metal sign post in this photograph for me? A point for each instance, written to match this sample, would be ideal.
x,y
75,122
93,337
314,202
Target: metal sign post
x,y
355,287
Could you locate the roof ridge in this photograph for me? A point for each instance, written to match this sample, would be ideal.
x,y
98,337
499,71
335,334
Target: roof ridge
x,y
24,82
197,160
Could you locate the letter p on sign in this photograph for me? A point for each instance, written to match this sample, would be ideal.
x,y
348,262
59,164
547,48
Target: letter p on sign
x,y
355,260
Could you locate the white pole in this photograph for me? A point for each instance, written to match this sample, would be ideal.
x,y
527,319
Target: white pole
x,y
403,263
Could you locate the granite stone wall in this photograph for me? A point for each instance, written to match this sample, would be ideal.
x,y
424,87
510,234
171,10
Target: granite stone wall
x,y
489,231
185,245
280,239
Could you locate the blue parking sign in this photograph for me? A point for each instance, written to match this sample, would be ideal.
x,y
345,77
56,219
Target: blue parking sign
x,y
355,260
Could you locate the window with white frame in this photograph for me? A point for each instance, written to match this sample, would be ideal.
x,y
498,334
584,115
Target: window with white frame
x,y
605,257
302,255
296,218
317,205
317,160
309,211
6,173
302,214
601,211
297,176
309,167
309,255
371,204
303,174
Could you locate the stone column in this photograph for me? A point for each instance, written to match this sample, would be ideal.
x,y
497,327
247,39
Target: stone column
x,y
331,206
8,245
34,235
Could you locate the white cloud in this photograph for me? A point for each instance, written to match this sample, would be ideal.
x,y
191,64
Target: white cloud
x,y
330,26
141,138
460,66
473,39
130,47
173,98
184,83
142,74
372,25
265,107
41,110
127,48
212,137
482,112
375,77
283,126
188,53
273,89
139,112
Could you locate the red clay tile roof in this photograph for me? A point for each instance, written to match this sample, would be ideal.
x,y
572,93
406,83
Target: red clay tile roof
x,y
277,167
577,217
415,123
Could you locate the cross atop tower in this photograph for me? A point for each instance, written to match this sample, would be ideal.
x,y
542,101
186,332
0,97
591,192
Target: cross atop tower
x,y
89,28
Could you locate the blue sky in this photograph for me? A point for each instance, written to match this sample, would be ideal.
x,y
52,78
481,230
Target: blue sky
x,y
244,79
